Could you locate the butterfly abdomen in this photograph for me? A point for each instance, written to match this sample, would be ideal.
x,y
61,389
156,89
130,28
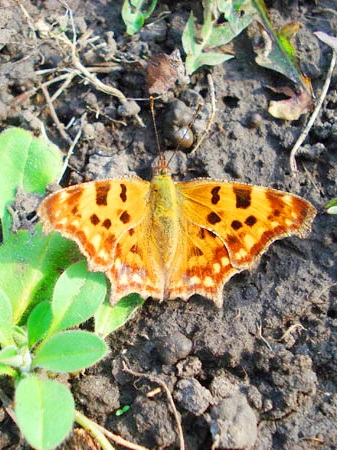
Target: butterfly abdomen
x,y
165,223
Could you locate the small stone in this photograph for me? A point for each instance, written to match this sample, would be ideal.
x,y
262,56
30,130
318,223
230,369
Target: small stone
x,y
88,131
189,367
233,423
128,109
254,120
148,422
97,394
254,397
173,348
192,396
322,132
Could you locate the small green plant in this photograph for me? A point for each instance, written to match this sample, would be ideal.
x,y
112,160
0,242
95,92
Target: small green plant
x,y
199,43
278,54
44,408
135,13
331,206
39,308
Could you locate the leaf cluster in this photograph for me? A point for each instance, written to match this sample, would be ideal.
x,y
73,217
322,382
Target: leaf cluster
x,y
40,311
223,20
135,13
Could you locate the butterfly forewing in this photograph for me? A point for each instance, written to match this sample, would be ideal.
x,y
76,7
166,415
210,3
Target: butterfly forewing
x,y
96,214
246,218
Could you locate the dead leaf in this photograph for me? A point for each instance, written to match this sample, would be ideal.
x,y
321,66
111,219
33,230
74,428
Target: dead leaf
x,y
163,71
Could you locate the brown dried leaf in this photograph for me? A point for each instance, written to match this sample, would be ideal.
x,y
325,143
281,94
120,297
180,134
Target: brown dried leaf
x,y
163,71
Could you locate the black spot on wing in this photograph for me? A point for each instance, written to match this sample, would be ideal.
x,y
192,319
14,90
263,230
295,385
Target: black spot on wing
x,y
250,221
125,217
102,191
243,196
213,218
215,195
123,193
236,225
106,223
94,219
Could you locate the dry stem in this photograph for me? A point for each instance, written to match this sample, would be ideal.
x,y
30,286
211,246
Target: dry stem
x,y
159,381
313,117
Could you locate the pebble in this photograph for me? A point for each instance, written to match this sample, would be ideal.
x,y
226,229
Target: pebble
x,y
192,396
233,423
173,348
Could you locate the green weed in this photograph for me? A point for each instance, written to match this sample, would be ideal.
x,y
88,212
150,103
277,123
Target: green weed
x,y
41,310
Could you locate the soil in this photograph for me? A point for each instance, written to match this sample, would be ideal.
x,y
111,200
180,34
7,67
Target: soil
x,y
260,372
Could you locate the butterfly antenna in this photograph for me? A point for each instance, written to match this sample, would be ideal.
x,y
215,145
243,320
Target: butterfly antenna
x,y
161,161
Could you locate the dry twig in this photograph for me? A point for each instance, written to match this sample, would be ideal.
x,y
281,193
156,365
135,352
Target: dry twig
x,y
313,117
296,326
260,336
159,381
53,114
77,69
211,117
71,148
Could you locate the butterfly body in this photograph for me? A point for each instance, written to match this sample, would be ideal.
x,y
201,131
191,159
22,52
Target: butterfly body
x,y
164,210
170,240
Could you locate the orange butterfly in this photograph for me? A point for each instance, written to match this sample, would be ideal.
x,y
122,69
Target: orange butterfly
x,y
166,240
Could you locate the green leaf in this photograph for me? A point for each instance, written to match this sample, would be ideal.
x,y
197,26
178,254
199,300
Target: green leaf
x,y
44,411
7,370
188,39
27,162
109,318
277,53
8,354
6,320
20,336
38,322
224,33
206,29
211,34
135,12
77,295
70,351
30,262
332,210
16,357
211,59
122,410
331,206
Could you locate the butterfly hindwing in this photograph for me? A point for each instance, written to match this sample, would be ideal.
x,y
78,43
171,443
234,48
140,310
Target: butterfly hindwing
x,y
201,265
135,266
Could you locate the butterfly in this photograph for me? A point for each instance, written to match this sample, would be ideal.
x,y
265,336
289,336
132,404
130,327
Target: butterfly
x,y
168,240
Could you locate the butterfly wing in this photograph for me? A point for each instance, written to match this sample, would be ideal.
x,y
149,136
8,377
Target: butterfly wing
x,y
201,265
108,220
229,225
136,266
246,218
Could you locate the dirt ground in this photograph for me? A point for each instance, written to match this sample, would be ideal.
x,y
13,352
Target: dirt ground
x,y
260,372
